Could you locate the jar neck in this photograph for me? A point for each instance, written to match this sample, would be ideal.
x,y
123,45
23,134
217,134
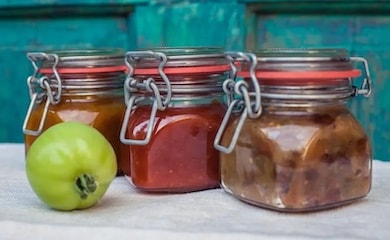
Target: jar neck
x,y
338,92
187,102
111,98
79,85
290,111
186,87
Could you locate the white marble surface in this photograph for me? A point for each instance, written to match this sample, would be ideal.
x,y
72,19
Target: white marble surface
x,y
212,214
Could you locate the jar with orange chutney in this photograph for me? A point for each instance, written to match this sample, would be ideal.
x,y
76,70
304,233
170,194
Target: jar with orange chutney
x,y
292,144
77,85
175,103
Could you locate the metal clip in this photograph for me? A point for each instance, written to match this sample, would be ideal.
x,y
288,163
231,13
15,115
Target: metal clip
x,y
39,88
245,104
149,85
224,123
228,84
132,104
254,110
129,108
366,87
131,56
40,57
36,99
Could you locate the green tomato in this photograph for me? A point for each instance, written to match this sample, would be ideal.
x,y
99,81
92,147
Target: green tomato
x,y
70,166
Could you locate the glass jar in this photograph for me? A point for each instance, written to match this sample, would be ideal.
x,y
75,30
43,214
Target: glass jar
x,y
293,145
174,107
77,85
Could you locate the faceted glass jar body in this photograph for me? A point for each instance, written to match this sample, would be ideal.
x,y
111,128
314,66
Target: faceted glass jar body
x,y
176,103
299,159
77,85
293,145
180,156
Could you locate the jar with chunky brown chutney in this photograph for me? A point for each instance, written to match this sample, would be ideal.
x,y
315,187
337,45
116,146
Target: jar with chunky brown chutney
x,y
77,85
174,109
293,145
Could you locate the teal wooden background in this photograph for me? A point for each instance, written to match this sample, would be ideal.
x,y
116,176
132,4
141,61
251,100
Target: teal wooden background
x,y
34,25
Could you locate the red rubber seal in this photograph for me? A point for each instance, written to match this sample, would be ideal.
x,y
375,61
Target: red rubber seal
x,y
181,70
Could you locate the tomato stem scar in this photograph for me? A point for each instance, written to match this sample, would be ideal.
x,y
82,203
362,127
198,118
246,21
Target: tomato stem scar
x,y
85,184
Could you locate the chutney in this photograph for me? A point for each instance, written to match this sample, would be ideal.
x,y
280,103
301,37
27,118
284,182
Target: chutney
x,y
180,157
312,159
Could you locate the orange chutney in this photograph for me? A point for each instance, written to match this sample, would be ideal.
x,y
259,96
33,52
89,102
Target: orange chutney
x,y
90,83
102,113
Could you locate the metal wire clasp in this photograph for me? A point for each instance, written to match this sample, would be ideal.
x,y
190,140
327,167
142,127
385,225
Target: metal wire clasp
x,y
366,87
248,103
149,85
40,88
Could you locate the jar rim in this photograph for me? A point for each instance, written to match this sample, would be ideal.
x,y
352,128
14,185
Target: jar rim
x,y
320,77
78,58
87,53
303,63
176,57
185,52
301,54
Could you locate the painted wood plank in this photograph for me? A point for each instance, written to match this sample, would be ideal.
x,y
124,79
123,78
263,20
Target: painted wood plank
x,y
311,2
42,3
56,11
20,36
63,33
363,34
13,94
191,24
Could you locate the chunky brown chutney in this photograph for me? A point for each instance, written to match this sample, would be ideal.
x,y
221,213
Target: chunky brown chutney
x,y
313,158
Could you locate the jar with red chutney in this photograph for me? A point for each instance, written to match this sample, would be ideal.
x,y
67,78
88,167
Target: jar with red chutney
x,y
293,145
175,103
77,85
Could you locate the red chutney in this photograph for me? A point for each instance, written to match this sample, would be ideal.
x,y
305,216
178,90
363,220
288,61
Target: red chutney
x,y
180,156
